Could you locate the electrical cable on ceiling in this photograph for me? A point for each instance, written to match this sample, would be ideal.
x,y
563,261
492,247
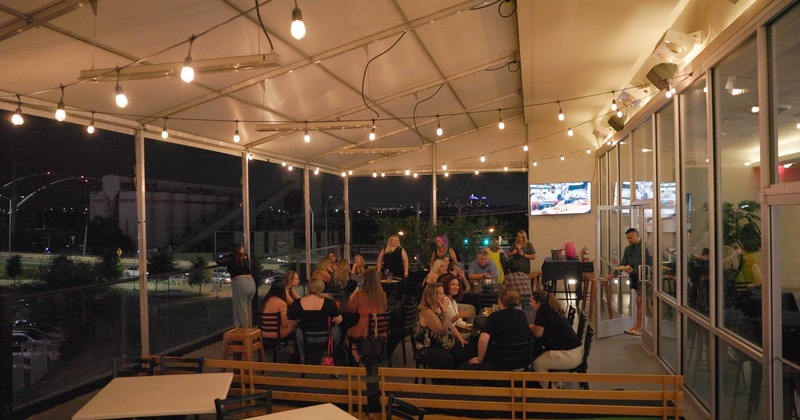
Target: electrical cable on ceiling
x,y
264,28
364,77
414,113
499,4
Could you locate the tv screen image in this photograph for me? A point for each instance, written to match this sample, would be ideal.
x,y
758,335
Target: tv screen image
x,y
557,198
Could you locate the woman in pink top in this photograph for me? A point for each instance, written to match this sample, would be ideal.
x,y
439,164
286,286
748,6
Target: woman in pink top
x,y
369,300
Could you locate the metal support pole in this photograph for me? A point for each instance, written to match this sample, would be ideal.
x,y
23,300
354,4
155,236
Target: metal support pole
x,y
307,207
434,214
6,363
347,235
141,215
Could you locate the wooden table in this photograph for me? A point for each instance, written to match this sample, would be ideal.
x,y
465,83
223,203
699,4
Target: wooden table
x,y
314,412
159,395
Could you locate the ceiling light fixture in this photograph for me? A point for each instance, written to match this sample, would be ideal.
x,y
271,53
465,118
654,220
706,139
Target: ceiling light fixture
x,y
535,163
477,172
350,172
588,151
236,137
187,71
61,113
483,158
298,28
164,132
444,166
613,101
500,124
166,70
439,130
415,175
283,163
306,136
90,128
17,119
374,174
383,174
344,174
408,172
619,113
560,111
562,157
505,168
291,167
372,132
316,171
570,132
121,99
525,148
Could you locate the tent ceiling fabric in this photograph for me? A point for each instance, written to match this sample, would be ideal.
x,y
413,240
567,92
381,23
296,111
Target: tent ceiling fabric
x,y
461,60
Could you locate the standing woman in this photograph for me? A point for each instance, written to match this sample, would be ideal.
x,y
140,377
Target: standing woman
x,y
522,251
243,287
291,280
563,349
497,255
393,258
442,251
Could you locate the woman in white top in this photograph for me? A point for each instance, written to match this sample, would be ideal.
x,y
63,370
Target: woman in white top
x,y
452,291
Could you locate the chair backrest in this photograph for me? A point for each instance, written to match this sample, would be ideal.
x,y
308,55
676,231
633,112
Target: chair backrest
x,y
174,365
253,405
397,408
382,321
525,301
133,367
571,314
587,347
410,316
487,299
512,356
270,323
582,319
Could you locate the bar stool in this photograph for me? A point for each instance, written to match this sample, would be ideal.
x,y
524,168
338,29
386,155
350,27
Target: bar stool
x,y
536,280
588,294
243,342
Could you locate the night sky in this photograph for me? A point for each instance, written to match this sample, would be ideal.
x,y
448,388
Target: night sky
x,y
42,145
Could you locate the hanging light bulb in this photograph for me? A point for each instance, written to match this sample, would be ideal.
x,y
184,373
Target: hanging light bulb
x,y
535,163
344,174
446,174
372,132
187,71
306,136
17,119
588,151
439,130
90,128
477,172
613,101
670,91
505,168
483,158
374,174
500,124
164,132
283,163
562,157
249,156
383,174
350,172
298,29
61,113
236,137
291,167
619,113
408,172
560,111
525,148
121,99
444,166
570,132
316,171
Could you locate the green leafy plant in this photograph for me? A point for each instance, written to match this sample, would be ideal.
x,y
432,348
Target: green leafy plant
x,y
14,266
199,277
742,223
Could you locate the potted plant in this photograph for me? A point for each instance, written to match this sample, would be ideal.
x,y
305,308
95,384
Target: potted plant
x,y
742,223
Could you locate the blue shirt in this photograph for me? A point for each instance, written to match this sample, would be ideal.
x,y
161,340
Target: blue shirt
x,y
491,268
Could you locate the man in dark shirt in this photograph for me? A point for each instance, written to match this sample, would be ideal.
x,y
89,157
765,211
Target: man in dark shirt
x,y
508,325
630,263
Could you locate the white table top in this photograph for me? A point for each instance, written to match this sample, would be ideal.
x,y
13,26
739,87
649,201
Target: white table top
x,y
314,412
158,395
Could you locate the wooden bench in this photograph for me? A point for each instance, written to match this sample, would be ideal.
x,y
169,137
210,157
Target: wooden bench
x,y
292,384
517,395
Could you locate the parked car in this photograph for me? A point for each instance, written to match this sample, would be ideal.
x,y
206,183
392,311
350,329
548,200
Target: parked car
x,y
220,275
26,342
43,330
271,275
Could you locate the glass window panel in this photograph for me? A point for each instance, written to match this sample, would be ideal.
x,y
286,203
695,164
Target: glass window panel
x,y
624,148
643,160
695,197
785,235
738,150
739,391
784,45
666,204
667,335
696,357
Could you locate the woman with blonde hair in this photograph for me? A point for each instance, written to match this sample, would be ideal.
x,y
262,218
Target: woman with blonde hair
x,y
522,251
359,266
439,267
291,280
341,275
393,258
438,343
371,299
312,313
323,271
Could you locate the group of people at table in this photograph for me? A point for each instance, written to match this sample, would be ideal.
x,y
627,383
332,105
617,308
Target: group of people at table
x,y
443,337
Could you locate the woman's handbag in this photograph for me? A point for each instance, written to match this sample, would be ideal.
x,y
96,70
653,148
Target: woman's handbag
x,y
327,359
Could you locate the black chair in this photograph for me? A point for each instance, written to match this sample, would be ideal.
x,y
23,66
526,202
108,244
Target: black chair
x,y
410,316
584,366
486,300
377,327
571,312
512,356
397,408
177,365
320,338
133,367
270,323
248,405
582,319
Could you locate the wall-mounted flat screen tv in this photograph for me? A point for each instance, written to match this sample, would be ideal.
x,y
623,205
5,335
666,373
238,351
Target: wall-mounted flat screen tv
x,y
558,198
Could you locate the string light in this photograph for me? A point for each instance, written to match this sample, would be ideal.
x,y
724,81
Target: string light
x,y
249,156
670,90
344,174
619,113
415,174
439,130
17,119
306,136
408,172
372,132
562,157
446,174
291,167
120,98
236,137
570,132
283,163
316,171
477,172
525,148
444,166
500,124
350,172
483,158
61,113
187,71
374,174
298,28
613,101
535,163
383,174
560,111
164,132
90,128
505,168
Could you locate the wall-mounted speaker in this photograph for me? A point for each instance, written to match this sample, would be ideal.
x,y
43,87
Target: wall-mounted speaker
x,y
660,74
616,123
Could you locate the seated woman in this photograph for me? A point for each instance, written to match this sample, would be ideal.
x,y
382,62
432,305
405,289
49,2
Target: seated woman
x,y
453,292
563,349
323,272
508,325
369,300
437,342
359,267
439,267
291,280
312,313
276,302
